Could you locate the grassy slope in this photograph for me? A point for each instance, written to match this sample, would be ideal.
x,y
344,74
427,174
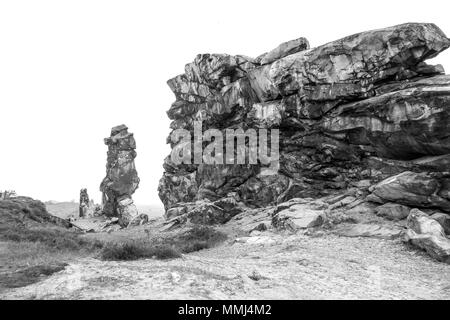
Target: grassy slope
x,y
33,244
63,209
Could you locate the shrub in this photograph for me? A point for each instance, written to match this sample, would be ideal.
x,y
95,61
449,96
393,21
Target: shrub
x,y
194,239
135,250
198,238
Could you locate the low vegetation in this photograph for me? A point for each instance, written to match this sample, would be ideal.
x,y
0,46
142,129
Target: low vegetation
x,y
33,244
27,220
138,249
194,239
54,238
198,238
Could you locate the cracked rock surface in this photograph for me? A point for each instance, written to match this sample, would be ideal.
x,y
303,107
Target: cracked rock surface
x,y
121,179
357,110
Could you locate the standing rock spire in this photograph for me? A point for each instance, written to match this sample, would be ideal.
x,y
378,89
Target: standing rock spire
x,y
84,203
121,179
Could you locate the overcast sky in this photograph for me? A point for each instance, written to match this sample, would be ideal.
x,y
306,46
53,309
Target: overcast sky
x,y
70,70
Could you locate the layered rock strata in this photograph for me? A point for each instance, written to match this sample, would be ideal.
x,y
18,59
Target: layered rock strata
x,y
84,203
351,112
121,179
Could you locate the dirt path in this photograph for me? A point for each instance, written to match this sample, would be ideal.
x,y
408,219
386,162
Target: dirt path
x,y
262,267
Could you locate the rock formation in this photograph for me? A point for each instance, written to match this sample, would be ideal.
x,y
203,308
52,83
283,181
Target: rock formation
x,y
364,112
84,203
427,234
121,179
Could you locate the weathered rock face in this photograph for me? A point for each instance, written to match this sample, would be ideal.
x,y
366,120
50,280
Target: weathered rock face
x,y
350,113
424,189
121,179
403,124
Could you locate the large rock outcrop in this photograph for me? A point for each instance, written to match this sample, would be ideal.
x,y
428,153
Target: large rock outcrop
x,y
121,179
362,108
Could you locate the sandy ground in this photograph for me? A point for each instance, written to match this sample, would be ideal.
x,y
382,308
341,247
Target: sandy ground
x,y
267,266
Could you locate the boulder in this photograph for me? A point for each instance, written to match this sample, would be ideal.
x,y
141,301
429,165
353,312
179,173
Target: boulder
x,y
420,222
444,221
364,208
252,219
127,211
393,211
298,216
427,234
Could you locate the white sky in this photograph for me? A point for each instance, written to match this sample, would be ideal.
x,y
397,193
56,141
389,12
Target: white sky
x,y
70,70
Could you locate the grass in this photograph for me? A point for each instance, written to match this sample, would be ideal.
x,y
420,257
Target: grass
x,y
23,219
198,238
34,245
55,238
28,255
29,275
137,249
23,263
194,239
